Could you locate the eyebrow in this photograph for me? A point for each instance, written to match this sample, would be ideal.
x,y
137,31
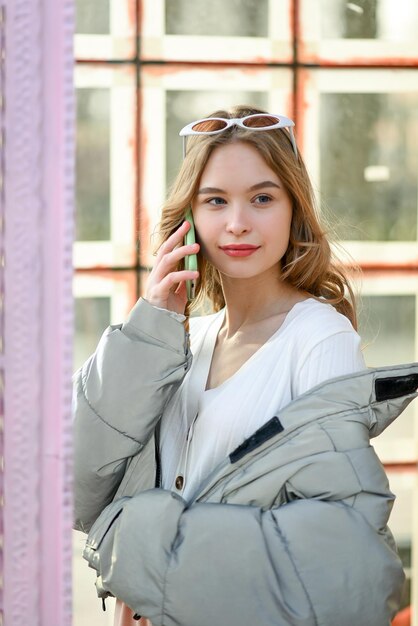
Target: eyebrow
x,y
262,185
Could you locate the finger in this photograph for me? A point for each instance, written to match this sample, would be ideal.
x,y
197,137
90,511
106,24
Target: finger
x,y
180,252
175,278
170,260
181,287
174,239
181,293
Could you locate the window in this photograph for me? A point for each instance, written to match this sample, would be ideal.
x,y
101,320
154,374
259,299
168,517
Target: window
x,y
345,71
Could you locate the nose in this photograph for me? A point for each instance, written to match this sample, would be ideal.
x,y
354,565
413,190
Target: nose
x,y
237,220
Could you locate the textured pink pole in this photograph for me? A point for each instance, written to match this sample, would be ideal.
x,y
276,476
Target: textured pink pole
x,y
37,206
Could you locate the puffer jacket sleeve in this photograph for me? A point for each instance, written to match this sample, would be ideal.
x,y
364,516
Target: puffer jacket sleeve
x,y
119,396
182,565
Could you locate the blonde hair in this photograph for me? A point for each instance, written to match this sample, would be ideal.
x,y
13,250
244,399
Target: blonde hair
x,y
307,263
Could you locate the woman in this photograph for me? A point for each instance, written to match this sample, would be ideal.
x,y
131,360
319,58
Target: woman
x,y
244,488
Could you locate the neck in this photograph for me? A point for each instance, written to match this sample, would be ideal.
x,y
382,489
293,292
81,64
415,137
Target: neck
x,y
249,301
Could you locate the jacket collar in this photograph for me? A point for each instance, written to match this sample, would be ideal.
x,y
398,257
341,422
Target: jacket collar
x,y
374,397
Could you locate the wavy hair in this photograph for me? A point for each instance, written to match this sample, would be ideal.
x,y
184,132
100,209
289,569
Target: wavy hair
x,y
308,262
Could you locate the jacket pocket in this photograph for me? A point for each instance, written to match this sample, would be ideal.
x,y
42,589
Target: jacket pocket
x,y
100,529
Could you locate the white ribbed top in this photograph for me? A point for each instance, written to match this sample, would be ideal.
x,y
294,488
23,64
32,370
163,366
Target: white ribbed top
x,y
313,344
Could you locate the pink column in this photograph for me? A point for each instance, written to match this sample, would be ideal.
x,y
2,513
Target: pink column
x,y
36,232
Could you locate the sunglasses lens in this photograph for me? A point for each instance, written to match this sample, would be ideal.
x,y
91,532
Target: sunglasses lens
x,y
261,121
209,126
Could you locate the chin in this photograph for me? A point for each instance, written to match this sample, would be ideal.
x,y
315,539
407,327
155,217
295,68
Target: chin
x,y
239,273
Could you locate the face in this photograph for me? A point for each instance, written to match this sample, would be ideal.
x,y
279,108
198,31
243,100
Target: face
x,y
242,213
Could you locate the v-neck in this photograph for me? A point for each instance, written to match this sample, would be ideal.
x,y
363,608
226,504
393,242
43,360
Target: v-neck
x,y
212,337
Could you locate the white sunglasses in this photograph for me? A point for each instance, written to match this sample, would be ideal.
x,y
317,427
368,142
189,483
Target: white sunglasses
x,y
256,121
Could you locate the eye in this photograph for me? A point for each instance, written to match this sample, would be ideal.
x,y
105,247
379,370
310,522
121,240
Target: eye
x,y
217,201
263,198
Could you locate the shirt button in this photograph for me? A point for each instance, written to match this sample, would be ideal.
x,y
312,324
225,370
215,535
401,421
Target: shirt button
x,y
179,483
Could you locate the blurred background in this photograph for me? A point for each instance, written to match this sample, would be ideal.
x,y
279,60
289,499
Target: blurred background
x,y
346,72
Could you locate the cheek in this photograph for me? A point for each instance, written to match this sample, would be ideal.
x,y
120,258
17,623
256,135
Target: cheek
x,y
206,229
288,223
279,226
202,235
287,218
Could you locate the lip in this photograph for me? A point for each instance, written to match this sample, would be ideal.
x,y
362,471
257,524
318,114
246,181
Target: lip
x,y
239,249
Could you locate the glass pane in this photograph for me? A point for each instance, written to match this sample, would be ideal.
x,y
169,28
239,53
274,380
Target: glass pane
x,y
369,164
92,316
106,167
404,484
105,29
369,19
387,325
387,328
244,18
143,276
93,17
185,106
236,31
337,31
100,299
93,165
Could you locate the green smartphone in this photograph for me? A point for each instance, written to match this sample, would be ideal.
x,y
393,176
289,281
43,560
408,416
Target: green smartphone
x,y
190,261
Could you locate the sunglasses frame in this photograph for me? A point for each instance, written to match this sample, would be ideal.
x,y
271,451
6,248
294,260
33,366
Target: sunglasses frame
x,y
282,122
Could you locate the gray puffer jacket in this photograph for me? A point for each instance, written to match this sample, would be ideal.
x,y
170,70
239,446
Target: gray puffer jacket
x,y
290,529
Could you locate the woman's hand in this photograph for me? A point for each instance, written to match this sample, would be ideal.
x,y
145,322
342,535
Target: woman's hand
x,y
166,287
